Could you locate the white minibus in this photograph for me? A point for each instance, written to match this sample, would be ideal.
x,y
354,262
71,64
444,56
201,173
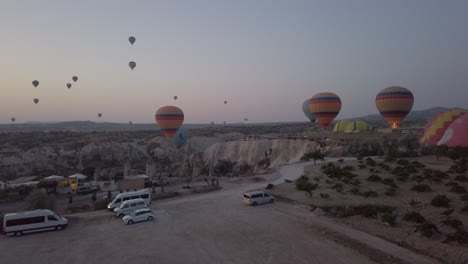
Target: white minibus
x,y
32,221
120,198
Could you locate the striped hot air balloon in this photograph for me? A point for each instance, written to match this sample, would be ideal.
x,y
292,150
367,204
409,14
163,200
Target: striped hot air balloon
x,y
325,107
340,126
169,119
455,135
394,103
435,129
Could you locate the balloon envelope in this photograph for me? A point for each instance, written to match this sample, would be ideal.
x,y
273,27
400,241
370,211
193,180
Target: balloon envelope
x,y
13,119
394,103
35,83
306,110
180,137
175,97
36,100
325,107
132,40
340,126
169,119
435,129
69,85
99,115
132,65
225,102
357,126
456,133
75,78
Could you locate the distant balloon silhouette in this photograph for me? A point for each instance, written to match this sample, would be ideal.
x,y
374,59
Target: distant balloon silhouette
x,y
175,97
99,115
35,83
13,119
131,40
225,102
36,100
132,65
69,85
75,78
246,119
130,122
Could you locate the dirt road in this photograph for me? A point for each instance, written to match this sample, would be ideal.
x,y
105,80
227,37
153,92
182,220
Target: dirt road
x,y
208,228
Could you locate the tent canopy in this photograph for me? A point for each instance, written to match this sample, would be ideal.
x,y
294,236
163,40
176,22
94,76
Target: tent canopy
x,y
78,176
54,177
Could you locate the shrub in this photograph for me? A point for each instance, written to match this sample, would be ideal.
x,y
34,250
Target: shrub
x,y
355,191
362,166
270,186
348,168
389,218
355,182
422,187
448,212
464,209
39,200
390,182
402,162
418,164
440,201
451,183
374,178
303,184
426,229
224,167
338,187
460,236
341,160
370,193
455,223
414,203
458,189
414,217
461,178
390,192
464,197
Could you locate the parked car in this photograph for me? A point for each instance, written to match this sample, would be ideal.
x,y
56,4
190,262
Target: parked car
x,y
129,207
122,197
86,190
138,216
257,197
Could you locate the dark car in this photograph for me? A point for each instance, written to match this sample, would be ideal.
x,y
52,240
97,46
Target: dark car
x,y
86,190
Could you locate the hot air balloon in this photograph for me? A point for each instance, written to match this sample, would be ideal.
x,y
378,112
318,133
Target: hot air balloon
x,y
357,126
340,126
69,85
246,119
325,107
13,119
36,100
455,135
132,65
130,122
394,103
99,115
225,102
435,129
175,97
75,78
35,83
306,110
131,40
180,137
169,119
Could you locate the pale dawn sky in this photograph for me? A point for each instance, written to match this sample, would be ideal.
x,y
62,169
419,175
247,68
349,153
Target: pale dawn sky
x,y
264,57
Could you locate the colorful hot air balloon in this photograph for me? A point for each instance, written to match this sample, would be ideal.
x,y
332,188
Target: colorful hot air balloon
x,y
36,100
181,136
456,133
132,65
394,103
306,110
131,40
75,78
99,115
435,129
35,83
69,85
357,126
325,107
340,126
169,119
175,98
13,119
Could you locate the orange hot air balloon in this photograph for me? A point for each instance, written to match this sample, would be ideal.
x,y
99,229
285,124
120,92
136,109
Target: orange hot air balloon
x,y
169,119
435,129
325,107
394,103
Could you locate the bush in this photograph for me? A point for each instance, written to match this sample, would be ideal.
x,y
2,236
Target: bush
x,y
422,187
458,189
362,166
355,191
390,182
441,201
464,209
389,218
370,193
39,200
303,184
464,197
355,182
338,187
374,178
402,162
426,229
384,166
270,186
460,236
414,217
418,164
461,178
457,224
224,167
390,192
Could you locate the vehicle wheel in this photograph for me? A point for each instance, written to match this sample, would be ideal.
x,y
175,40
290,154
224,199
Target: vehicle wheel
x,y
271,201
18,234
254,203
130,222
121,215
150,218
58,228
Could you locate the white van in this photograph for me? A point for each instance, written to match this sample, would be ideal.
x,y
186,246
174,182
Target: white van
x,y
32,221
257,197
129,206
120,198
